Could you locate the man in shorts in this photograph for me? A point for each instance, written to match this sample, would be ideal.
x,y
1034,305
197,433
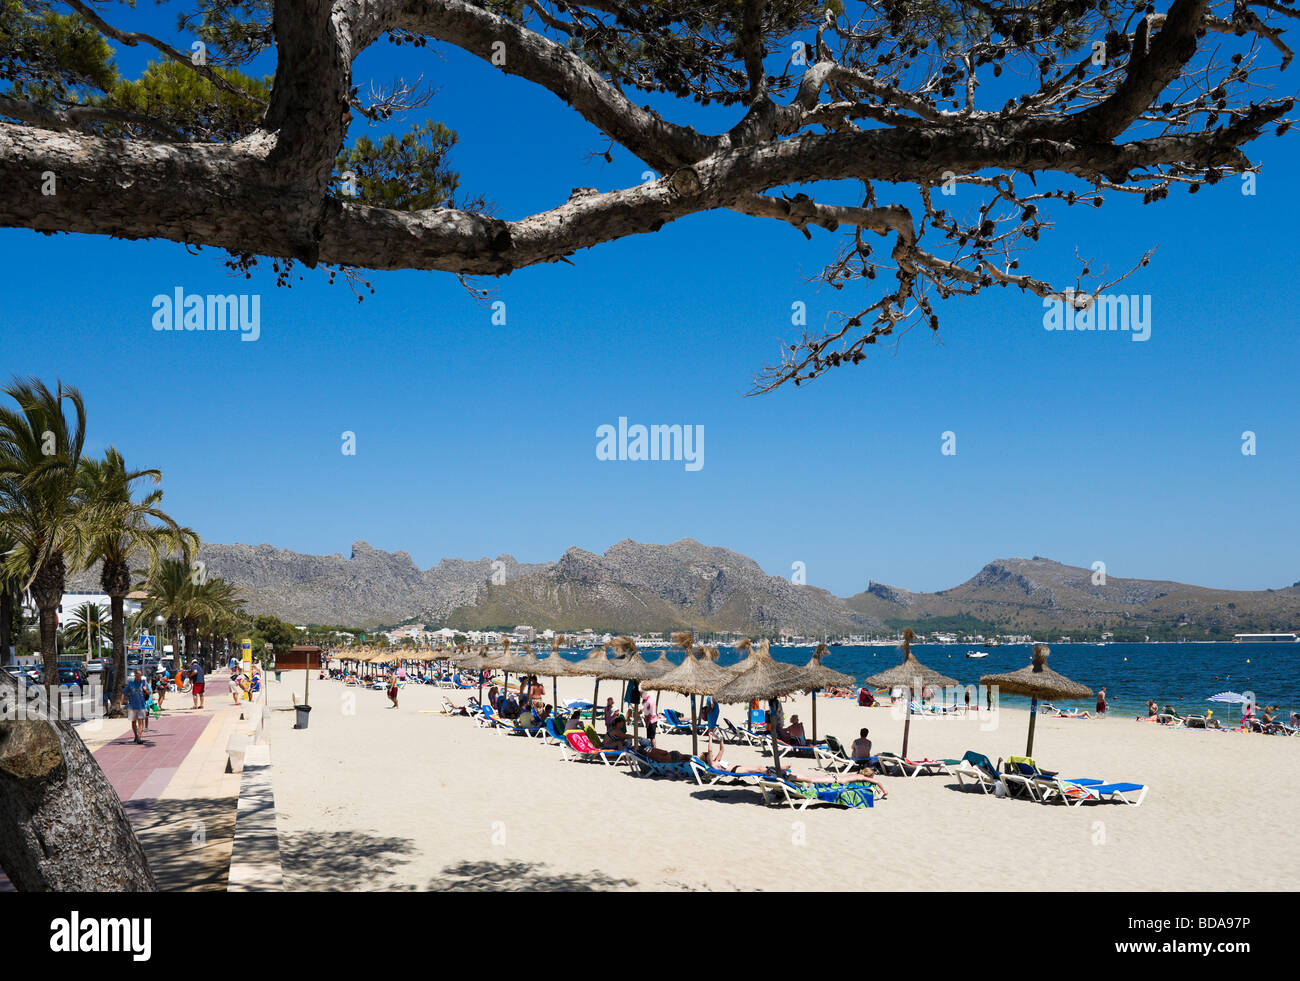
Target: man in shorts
x,y
137,702
197,676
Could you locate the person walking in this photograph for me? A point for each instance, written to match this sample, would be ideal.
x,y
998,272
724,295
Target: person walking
x,y
198,678
392,688
137,700
650,715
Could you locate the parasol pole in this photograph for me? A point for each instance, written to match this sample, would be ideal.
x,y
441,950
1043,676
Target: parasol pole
x,y
907,719
695,730
1033,717
776,750
814,700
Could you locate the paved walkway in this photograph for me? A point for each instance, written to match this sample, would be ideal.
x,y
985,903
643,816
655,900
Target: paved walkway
x,y
174,788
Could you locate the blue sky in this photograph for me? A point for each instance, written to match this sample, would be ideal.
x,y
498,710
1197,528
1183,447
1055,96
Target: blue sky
x,y
476,439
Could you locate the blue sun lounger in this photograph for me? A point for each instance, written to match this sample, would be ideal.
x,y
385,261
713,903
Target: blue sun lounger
x,y
1114,791
674,722
652,768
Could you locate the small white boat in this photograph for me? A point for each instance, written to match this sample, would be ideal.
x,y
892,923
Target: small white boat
x,y
977,653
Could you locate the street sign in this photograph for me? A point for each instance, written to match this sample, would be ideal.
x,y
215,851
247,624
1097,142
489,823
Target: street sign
x,y
146,642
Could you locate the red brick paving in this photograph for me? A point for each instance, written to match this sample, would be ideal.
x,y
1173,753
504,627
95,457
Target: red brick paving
x,y
166,744
129,767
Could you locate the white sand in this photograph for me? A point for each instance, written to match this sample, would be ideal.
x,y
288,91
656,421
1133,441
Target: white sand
x,y
407,799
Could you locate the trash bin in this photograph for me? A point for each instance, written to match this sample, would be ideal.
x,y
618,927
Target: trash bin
x,y
277,676
303,711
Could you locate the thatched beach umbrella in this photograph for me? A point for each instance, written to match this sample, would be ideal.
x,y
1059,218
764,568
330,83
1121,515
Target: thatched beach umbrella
x,y
1037,681
628,665
555,666
910,674
764,679
595,665
697,675
823,677
478,662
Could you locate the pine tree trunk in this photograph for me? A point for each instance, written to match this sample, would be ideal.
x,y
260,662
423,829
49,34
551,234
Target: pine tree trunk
x,y
62,827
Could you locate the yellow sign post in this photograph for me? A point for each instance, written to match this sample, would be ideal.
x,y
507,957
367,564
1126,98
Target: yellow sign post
x,y
246,655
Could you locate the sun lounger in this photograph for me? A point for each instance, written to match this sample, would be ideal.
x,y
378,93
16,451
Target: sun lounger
x,y
1122,792
1055,789
514,728
777,790
1020,776
672,722
735,733
578,747
832,756
706,775
979,769
1103,789
891,762
551,735
643,766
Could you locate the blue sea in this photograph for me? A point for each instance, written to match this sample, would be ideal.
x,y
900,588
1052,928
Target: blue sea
x,y
1182,675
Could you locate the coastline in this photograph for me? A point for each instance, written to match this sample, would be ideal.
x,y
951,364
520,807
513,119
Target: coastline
x,y
411,799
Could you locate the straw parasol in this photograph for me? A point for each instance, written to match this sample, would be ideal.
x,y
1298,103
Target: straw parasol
x,y
1036,680
697,675
629,665
595,665
823,677
910,674
764,679
556,666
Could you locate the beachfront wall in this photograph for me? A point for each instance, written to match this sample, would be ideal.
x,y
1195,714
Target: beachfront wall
x,y
298,658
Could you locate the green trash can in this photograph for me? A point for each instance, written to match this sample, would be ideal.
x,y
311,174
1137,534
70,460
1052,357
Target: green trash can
x,y
277,676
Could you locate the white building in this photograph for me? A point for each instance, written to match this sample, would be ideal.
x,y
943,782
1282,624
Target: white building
x,y
72,600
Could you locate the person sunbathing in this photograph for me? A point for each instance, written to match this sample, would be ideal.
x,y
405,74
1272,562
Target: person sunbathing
x,y
617,737
834,778
860,751
794,733
713,758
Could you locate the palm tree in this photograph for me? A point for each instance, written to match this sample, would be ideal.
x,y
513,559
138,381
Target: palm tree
x,y
129,530
86,625
171,596
10,611
65,828
219,604
39,507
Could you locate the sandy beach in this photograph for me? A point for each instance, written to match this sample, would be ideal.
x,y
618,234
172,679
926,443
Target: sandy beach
x,y
374,798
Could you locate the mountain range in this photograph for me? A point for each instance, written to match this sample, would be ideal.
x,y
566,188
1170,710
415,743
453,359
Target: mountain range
x,y
636,587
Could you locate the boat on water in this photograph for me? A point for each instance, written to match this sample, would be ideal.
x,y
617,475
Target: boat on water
x,y
977,653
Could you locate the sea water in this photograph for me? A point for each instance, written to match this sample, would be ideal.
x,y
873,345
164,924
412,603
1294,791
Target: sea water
x,y
1181,675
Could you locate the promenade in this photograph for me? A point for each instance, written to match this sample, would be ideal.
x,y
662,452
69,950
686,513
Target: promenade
x,y
174,788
